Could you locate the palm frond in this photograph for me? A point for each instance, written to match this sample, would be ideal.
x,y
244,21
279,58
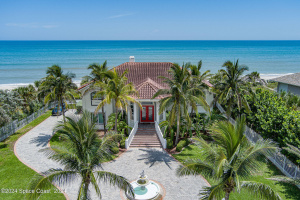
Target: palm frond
x,y
115,180
260,190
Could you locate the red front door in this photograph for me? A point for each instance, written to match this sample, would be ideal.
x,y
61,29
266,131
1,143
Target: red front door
x,y
147,114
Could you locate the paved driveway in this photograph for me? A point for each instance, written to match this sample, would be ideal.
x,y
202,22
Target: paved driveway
x,y
158,165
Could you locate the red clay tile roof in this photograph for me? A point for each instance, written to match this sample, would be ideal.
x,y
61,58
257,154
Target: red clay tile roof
x,y
207,83
148,88
83,86
138,72
145,76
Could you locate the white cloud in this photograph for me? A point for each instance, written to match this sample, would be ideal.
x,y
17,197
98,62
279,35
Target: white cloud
x,y
31,25
49,26
119,16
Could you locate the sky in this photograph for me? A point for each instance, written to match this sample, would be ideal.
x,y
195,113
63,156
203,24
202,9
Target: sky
x,y
150,20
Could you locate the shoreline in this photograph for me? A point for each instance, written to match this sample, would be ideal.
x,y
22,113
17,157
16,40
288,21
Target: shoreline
x,y
12,86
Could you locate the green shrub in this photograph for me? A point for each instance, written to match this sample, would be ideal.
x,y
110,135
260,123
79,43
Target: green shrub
x,y
190,133
114,150
275,116
169,143
172,134
122,143
181,144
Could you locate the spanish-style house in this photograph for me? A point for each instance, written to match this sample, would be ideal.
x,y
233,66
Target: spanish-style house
x,y
145,78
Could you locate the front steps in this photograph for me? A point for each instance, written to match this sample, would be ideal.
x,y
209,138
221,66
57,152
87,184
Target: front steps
x,y
146,137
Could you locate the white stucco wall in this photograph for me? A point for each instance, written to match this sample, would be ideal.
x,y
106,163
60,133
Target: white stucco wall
x,y
88,106
209,99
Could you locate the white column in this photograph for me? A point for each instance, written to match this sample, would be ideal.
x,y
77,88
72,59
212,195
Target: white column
x,y
164,115
128,114
157,112
135,112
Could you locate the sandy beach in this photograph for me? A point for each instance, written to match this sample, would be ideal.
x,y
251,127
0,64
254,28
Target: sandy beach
x,y
14,86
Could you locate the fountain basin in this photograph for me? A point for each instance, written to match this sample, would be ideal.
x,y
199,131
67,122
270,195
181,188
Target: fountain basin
x,y
149,192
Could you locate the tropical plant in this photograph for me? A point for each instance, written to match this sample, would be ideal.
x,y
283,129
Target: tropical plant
x,y
85,152
116,90
58,87
122,125
230,160
292,101
11,104
295,180
271,117
198,80
29,98
98,74
4,117
204,121
231,90
179,96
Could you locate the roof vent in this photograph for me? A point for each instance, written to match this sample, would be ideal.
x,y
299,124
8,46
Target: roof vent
x,y
131,59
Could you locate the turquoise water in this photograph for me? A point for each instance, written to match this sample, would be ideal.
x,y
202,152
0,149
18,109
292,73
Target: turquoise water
x,y
140,191
26,61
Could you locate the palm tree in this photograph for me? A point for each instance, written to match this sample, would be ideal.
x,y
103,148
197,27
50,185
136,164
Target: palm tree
x,y
197,81
58,87
98,74
83,155
295,180
179,96
28,95
230,160
116,90
232,89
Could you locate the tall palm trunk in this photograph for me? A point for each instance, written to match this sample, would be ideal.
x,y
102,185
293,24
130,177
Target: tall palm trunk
x,y
87,182
62,109
116,118
227,195
178,126
104,120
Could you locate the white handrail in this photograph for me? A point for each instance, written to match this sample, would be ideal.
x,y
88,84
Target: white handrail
x,y
131,135
163,141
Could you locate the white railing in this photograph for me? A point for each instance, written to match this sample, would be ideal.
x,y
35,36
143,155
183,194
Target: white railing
x,y
131,135
15,125
286,166
162,140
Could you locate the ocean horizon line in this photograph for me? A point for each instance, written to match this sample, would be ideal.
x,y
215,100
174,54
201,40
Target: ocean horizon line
x,y
59,40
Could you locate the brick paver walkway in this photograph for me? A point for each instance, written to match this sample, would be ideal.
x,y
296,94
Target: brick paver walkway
x,y
158,165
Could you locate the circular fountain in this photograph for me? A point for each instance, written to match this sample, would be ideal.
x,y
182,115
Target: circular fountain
x,y
145,189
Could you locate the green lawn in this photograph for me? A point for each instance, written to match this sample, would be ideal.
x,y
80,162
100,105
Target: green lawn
x,y
14,174
285,191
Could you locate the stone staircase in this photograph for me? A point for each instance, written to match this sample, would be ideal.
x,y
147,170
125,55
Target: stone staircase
x,y
146,137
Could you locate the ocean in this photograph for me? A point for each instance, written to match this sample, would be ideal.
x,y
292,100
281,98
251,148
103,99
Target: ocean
x,y
23,62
